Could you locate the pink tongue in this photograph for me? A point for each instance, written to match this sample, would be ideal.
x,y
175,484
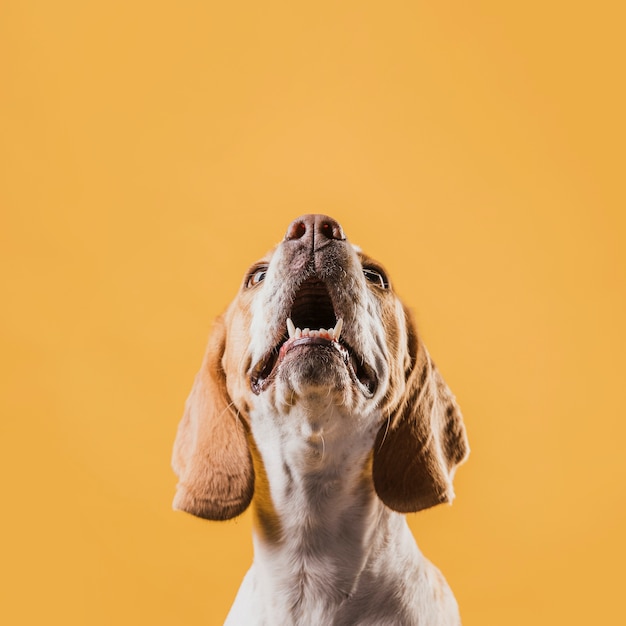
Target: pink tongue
x,y
305,340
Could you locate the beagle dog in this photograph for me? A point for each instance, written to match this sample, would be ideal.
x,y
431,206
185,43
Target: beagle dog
x,y
318,403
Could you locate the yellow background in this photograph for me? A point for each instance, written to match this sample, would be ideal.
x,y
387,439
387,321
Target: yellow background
x,y
149,151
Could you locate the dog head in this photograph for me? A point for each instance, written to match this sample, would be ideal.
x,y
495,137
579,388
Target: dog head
x,y
315,324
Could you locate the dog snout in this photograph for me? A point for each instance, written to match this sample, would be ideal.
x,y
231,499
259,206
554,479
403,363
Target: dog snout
x,y
314,231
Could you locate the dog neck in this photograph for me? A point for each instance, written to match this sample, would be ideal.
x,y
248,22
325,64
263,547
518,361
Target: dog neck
x,y
318,521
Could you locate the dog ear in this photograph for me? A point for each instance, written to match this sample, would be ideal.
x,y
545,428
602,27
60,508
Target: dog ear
x,y
418,449
211,456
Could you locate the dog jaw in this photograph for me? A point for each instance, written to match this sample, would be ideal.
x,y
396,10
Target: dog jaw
x,y
314,326
350,347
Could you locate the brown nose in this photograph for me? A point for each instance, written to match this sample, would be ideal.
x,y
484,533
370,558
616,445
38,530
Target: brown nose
x,y
315,228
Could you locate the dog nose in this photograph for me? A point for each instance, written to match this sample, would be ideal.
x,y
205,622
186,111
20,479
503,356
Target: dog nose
x,y
315,228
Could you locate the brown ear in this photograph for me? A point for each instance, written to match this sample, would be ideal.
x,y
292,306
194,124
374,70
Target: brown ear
x,y
418,449
211,456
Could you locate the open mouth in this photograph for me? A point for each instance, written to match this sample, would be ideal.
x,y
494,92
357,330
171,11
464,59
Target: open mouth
x,y
313,322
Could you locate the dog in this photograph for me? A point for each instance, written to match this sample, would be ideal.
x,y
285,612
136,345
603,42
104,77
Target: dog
x,y
318,403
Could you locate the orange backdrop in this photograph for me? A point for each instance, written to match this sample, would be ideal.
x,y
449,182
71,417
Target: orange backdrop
x,y
150,151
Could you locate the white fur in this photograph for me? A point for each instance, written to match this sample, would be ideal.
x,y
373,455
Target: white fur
x,y
330,440
347,558
344,557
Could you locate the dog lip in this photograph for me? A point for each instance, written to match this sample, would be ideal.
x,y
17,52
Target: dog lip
x,y
303,341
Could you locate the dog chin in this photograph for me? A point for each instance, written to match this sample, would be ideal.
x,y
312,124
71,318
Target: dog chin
x,y
318,373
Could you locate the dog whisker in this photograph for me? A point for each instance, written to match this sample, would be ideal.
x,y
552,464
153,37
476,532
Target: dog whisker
x,y
387,424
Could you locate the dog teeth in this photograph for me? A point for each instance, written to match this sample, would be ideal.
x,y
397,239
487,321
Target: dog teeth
x,y
337,329
332,333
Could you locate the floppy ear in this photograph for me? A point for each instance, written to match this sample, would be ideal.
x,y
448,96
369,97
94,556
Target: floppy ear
x,y
417,451
211,456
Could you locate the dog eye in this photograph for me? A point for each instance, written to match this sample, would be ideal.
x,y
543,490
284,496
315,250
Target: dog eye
x,y
256,276
376,277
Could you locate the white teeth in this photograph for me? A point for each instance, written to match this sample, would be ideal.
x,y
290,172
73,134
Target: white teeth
x,y
332,333
337,329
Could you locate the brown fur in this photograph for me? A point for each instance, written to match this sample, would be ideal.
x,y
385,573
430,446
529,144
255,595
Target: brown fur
x,y
414,458
417,451
211,455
